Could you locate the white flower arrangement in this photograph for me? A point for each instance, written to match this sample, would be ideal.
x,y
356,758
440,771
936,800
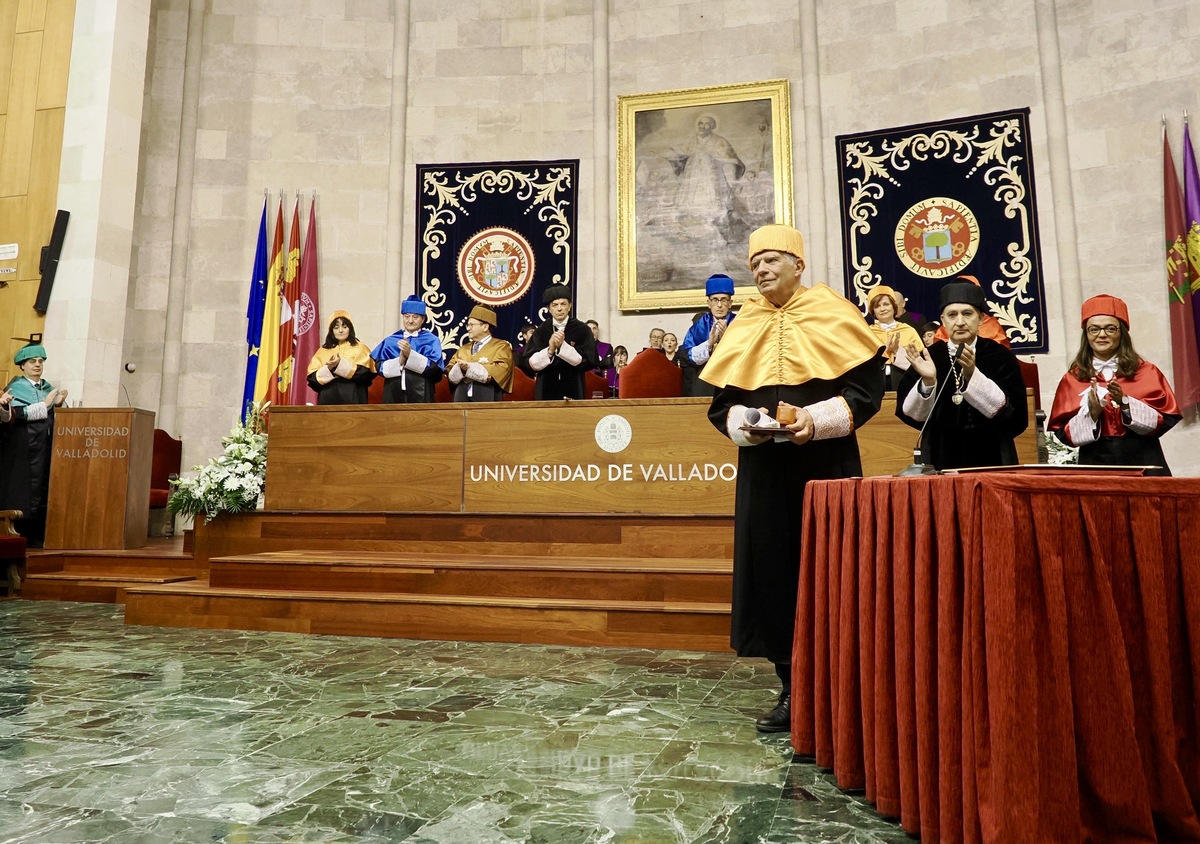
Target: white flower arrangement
x,y
1059,453
232,482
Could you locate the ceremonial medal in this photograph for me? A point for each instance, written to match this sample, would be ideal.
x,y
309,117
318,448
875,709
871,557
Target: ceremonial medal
x,y
956,398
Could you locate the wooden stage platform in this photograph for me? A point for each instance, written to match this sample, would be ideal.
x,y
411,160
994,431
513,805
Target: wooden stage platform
x,y
651,566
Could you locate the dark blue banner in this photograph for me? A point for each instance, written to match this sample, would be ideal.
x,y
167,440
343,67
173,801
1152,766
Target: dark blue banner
x,y
495,234
923,204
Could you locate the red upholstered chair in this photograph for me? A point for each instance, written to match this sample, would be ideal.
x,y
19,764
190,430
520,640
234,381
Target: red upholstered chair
x,y
12,552
593,383
168,453
443,392
375,391
650,376
522,387
1029,371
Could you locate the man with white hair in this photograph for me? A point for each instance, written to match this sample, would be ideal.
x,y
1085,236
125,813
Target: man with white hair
x,y
805,357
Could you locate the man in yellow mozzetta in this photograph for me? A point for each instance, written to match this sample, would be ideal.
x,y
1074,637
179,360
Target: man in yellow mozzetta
x,y
804,354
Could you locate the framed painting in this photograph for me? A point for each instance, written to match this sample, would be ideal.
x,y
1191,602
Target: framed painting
x,y
697,171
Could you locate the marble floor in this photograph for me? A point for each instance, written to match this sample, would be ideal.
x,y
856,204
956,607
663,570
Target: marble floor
x,y
124,734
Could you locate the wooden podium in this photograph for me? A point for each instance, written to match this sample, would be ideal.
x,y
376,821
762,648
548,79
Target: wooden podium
x,y
100,478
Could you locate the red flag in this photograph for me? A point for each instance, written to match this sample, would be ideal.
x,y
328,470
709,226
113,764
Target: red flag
x,y
1182,279
287,304
306,318
266,379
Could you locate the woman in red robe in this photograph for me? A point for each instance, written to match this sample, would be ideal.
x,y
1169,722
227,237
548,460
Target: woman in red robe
x,y
1113,405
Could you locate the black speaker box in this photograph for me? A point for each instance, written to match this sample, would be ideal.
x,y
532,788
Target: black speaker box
x,y
49,263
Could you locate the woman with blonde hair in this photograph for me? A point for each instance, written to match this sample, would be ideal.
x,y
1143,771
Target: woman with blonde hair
x,y
893,335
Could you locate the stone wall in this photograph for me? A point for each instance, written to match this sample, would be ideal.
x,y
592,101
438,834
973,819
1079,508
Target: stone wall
x,y
301,97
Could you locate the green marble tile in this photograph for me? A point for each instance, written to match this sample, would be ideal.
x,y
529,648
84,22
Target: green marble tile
x,y
128,734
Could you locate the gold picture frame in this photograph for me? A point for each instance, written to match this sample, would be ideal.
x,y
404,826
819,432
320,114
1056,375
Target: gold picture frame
x,y
697,171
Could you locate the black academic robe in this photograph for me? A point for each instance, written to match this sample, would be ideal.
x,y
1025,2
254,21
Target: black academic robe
x,y
958,436
419,388
25,449
560,380
352,390
769,503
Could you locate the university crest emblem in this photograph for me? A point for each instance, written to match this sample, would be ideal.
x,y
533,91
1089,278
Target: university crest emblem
x,y
937,237
495,267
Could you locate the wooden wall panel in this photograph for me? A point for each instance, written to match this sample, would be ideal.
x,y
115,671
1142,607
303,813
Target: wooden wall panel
x,y
42,205
56,54
35,60
17,153
8,31
508,458
31,15
675,462
365,458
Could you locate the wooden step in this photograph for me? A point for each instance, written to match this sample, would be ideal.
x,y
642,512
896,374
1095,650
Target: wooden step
x,y
613,578
649,624
94,589
534,535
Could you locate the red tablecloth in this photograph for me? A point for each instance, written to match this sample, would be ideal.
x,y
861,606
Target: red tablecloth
x,y
1005,657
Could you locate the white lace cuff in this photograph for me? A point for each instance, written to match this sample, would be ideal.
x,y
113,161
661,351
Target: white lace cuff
x,y
416,362
699,353
477,372
1081,428
984,395
391,368
570,354
36,411
917,405
539,360
454,374
324,376
345,368
1143,419
831,418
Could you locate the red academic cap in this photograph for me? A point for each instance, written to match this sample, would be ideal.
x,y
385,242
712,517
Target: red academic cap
x,y
1105,305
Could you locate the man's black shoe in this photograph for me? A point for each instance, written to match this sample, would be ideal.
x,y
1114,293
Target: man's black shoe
x,y
779,719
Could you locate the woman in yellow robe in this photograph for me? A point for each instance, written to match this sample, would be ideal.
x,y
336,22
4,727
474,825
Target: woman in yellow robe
x,y
893,334
341,371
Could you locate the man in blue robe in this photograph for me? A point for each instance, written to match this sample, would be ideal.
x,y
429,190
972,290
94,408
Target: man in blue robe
x,y
411,360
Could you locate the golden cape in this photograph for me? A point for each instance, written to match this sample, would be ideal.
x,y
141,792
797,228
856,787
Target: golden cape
x,y
496,357
816,334
359,354
907,333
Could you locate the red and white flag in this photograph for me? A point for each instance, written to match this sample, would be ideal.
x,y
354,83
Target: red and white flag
x,y
307,326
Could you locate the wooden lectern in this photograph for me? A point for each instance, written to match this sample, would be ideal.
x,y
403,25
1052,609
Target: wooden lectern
x,y
100,478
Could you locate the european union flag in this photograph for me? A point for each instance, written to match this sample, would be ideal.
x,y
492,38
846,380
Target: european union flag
x,y
254,312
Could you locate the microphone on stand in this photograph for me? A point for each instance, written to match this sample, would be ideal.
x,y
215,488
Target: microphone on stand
x,y
918,466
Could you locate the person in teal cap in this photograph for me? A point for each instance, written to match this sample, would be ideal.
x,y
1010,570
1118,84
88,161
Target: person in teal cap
x,y
27,407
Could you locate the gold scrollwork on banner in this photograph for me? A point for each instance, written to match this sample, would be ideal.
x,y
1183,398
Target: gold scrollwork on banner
x,y
995,156
547,197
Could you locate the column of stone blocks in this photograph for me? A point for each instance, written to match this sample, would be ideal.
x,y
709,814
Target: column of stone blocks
x,y
97,184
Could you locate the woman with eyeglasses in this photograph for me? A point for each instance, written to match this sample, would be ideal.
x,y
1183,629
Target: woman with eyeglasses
x,y
1113,405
